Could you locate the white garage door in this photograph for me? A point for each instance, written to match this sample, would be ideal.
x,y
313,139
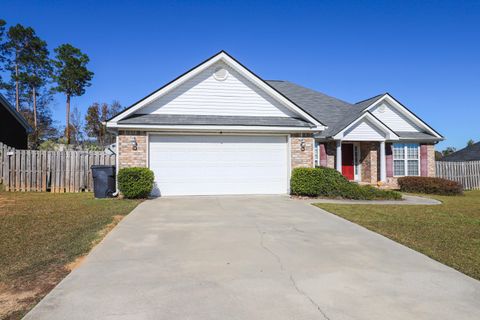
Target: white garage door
x,y
218,164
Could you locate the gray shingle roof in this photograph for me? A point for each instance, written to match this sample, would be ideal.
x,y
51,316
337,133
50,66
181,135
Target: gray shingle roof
x,y
177,119
416,136
471,153
368,102
333,112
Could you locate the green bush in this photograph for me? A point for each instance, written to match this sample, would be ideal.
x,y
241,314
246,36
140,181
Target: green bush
x,y
430,185
135,183
327,182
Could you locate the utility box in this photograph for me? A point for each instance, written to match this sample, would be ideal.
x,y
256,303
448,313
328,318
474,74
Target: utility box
x,y
103,181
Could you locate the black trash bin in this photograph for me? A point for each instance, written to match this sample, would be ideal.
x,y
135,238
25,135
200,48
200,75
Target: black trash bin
x,y
103,181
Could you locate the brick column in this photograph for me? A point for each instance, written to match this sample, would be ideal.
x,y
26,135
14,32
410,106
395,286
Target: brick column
x,y
302,156
127,157
369,162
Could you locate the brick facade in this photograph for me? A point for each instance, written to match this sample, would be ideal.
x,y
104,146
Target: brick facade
x,y
371,173
331,150
302,157
127,157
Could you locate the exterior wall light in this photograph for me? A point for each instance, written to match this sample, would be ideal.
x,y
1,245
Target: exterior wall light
x,y
134,143
302,144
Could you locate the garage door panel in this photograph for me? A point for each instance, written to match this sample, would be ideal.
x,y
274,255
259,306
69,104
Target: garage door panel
x,y
202,165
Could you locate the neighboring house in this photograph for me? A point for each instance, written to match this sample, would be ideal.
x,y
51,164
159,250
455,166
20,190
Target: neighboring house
x,y
14,129
470,153
221,129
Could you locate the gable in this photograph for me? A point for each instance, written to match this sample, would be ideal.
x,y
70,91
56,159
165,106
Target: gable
x,y
204,94
266,100
363,130
393,118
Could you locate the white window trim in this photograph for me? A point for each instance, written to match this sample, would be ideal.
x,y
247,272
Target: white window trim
x,y
406,159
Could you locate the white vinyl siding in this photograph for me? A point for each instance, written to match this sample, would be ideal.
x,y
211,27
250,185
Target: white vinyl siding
x,y
406,159
393,118
218,164
364,131
204,95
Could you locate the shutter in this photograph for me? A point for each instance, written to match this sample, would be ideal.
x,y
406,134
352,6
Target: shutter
x,y
389,159
424,160
323,155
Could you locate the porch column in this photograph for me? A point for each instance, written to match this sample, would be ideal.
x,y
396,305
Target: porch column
x,y
339,156
383,166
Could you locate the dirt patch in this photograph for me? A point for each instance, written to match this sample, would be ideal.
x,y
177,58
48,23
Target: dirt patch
x,y
17,298
75,264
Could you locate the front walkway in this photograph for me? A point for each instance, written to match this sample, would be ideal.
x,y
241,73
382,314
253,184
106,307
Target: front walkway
x,y
407,200
254,258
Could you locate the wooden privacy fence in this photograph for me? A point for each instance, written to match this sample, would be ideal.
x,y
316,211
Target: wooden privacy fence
x,y
465,172
54,171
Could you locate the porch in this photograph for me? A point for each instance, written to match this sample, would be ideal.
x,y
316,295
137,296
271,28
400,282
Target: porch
x,y
358,161
372,162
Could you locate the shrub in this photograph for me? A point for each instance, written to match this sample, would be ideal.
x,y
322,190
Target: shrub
x,y
135,182
327,182
430,185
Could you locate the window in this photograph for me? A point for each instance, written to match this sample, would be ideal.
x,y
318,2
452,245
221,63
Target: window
x,y
406,159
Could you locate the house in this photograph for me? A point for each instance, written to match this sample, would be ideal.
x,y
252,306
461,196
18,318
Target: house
x,y
470,153
221,129
14,129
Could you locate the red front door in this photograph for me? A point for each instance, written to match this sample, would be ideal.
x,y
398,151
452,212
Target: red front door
x,y
347,161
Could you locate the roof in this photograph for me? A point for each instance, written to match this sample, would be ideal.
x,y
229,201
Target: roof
x,y
335,113
4,102
315,107
368,102
470,153
177,119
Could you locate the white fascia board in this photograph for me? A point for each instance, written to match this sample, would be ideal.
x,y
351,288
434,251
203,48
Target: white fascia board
x,y
390,135
203,128
404,111
239,68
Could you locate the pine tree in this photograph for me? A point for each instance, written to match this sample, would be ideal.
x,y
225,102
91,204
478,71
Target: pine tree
x,y
71,76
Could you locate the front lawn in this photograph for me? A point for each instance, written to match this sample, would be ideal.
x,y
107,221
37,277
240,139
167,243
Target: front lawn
x,y
449,233
42,235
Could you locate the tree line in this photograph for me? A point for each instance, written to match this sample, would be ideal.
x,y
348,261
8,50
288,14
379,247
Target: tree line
x,y
30,76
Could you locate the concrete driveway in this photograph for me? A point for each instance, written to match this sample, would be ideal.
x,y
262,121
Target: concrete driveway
x,y
254,258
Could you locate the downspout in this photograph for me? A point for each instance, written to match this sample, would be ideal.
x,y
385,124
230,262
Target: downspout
x,y
117,192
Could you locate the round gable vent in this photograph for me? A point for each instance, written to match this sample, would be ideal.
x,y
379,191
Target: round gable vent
x,y
220,74
382,108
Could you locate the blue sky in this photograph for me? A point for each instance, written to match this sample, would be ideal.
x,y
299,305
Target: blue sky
x,y
425,53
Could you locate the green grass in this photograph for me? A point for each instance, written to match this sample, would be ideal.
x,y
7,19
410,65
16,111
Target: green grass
x,y
449,233
40,233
